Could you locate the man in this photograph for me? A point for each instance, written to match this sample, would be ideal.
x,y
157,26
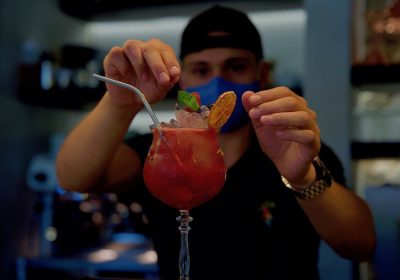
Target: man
x,y
279,198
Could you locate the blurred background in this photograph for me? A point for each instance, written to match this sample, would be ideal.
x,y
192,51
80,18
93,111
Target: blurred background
x,y
344,57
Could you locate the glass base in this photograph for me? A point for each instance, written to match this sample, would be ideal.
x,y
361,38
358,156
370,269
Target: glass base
x,y
184,257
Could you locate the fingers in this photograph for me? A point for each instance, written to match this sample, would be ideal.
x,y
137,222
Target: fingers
x,y
277,94
278,106
282,109
143,61
251,100
152,58
133,53
162,61
297,119
116,65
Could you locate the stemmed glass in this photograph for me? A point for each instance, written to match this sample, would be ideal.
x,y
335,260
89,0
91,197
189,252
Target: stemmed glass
x,y
184,168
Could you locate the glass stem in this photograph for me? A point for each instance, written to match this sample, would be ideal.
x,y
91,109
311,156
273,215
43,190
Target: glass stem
x,y
184,258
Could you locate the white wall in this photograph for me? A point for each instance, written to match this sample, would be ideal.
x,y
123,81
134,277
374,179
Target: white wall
x,y
327,78
326,86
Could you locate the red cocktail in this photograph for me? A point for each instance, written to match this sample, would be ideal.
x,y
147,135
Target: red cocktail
x,y
185,167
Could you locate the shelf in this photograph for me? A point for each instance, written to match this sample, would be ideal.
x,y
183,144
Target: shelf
x,y
74,97
375,74
71,99
365,150
30,92
383,81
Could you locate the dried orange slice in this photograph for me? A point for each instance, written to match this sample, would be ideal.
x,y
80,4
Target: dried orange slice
x,y
221,110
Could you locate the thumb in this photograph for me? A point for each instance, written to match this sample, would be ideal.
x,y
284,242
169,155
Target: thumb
x,y
245,100
248,105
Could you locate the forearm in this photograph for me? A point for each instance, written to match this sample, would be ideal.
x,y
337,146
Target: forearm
x,y
344,221
90,147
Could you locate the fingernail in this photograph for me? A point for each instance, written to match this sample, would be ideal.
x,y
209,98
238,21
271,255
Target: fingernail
x,y
163,77
174,70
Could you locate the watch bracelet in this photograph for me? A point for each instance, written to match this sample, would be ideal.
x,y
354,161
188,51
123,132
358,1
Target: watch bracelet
x,y
323,181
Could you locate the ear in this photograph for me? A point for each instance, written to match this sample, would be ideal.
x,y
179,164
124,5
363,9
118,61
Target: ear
x,y
266,70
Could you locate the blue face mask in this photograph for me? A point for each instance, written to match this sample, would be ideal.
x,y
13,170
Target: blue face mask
x,y
210,92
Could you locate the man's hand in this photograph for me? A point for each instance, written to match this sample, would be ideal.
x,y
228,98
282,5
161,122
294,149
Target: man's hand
x,y
287,131
151,66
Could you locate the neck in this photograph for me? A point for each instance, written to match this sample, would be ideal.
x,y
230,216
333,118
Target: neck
x,y
234,144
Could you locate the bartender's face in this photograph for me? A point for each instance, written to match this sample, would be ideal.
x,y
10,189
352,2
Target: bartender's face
x,y
235,65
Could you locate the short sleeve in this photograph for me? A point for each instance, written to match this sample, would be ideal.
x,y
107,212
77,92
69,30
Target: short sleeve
x,y
139,142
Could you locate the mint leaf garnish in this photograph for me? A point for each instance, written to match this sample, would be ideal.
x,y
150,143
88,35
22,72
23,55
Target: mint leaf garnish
x,y
187,100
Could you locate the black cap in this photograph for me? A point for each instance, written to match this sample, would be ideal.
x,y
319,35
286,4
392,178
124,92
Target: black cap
x,y
241,32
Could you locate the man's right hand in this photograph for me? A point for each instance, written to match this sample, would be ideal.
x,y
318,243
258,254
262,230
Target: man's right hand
x,y
150,66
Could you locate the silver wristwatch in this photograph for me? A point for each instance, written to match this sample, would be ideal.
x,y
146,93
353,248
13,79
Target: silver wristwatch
x,y
322,182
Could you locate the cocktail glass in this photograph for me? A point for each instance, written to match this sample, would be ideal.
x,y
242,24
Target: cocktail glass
x,y
184,168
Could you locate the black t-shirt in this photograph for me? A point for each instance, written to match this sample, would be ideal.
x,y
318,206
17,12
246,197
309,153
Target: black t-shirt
x,y
253,229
